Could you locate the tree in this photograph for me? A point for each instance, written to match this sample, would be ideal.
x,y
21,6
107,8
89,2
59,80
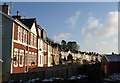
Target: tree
x,y
63,45
73,46
63,42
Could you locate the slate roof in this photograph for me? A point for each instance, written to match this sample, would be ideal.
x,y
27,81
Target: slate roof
x,y
28,22
13,19
113,58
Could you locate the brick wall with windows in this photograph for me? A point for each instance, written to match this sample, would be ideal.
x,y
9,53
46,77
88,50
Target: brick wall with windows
x,y
32,56
15,57
21,57
25,36
20,33
25,48
15,31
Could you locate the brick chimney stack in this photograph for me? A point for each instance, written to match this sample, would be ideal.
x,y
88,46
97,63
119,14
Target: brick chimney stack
x,y
6,8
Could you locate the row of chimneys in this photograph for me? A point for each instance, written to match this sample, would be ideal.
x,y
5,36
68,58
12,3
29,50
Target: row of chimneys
x,y
6,10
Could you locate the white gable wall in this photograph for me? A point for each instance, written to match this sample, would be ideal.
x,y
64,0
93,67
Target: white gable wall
x,y
39,31
49,55
40,53
33,29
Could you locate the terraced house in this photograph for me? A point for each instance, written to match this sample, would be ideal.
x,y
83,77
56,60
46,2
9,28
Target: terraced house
x,y
42,48
20,42
25,44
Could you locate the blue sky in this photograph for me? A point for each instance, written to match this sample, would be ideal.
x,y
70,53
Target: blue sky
x,y
93,25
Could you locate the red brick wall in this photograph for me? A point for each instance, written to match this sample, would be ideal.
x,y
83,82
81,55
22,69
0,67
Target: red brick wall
x,y
23,47
19,69
32,49
103,64
114,67
19,47
15,31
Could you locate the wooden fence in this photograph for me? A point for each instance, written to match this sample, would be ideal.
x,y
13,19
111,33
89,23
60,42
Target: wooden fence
x,y
42,73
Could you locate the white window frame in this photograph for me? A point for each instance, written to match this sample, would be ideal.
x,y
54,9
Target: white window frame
x,y
25,36
21,54
32,57
35,40
39,43
31,41
19,33
15,54
49,59
29,58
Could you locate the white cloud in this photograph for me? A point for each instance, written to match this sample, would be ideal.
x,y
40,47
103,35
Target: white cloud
x,y
109,28
103,42
62,36
73,19
115,40
91,26
93,23
104,34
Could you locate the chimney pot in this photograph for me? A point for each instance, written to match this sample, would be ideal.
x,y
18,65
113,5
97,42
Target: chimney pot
x,y
17,13
4,3
18,16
